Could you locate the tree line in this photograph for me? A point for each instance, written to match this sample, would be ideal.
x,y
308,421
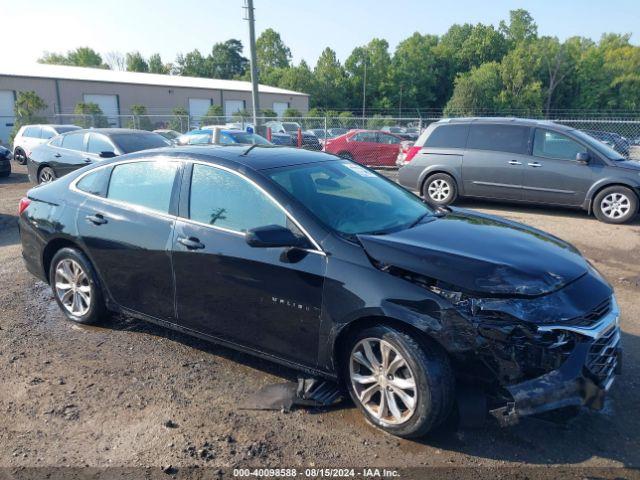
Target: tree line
x,y
469,70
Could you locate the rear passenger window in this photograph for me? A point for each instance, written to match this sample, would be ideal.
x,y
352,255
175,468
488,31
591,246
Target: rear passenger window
x,y
47,133
73,141
448,136
499,138
94,182
146,184
555,145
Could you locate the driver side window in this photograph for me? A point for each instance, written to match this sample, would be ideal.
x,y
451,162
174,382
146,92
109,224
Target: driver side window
x,y
226,200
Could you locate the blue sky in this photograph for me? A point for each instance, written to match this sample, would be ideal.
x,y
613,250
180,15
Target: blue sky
x,y
307,27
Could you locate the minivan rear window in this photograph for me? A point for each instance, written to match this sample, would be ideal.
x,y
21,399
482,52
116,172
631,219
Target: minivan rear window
x,y
448,136
499,138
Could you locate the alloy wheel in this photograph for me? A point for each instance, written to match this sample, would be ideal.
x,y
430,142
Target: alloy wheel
x,y
615,205
72,287
439,190
383,381
46,176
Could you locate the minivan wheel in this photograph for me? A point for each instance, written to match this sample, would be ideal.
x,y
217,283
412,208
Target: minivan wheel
x,y
46,175
615,204
19,156
401,386
75,286
440,189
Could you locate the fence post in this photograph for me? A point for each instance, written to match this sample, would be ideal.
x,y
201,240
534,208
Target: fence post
x,y
299,137
269,134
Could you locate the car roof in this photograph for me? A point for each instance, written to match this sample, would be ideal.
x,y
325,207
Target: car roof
x,y
110,131
529,122
255,157
54,125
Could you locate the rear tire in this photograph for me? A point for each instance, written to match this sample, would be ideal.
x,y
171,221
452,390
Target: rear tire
x,y
440,189
615,204
346,156
19,156
406,391
75,287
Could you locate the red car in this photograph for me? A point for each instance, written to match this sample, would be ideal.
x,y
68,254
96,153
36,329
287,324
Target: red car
x,y
369,147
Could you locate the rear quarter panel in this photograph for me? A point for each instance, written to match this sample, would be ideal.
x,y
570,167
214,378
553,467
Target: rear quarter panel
x,y
427,162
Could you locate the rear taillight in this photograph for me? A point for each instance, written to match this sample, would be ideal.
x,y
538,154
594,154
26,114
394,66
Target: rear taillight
x,y
411,153
22,206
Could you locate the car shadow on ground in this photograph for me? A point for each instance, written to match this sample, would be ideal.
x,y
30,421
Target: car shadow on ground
x,y
8,229
610,433
15,177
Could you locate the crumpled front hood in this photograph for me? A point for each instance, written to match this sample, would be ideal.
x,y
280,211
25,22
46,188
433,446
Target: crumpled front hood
x,y
480,254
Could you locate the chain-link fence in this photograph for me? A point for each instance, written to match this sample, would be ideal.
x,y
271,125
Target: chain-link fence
x,y
379,141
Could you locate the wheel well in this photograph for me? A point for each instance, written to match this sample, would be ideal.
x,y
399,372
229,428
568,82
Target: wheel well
x,y
342,341
435,172
52,248
595,194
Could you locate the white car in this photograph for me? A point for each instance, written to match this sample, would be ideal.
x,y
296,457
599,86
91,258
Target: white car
x,y
30,136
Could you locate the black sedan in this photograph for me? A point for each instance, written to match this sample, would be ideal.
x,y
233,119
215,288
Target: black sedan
x,y
323,265
5,161
70,151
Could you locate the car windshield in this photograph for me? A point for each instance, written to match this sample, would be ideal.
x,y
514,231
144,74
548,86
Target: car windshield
x,y
247,138
290,127
598,146
351,199
134,142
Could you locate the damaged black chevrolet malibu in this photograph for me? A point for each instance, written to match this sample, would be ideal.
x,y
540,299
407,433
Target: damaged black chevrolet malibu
x,y
323,265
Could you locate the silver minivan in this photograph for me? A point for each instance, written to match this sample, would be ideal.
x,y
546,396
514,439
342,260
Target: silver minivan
x,y
520,160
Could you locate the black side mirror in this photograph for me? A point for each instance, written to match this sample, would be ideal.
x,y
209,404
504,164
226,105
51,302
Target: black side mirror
x,y
582,157
107,154
272,236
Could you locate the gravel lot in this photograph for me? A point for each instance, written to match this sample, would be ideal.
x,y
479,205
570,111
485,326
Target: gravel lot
x,y
130,394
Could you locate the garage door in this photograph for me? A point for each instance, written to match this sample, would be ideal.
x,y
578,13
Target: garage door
x,y
233,106
6,115
280,107
197,109
108,104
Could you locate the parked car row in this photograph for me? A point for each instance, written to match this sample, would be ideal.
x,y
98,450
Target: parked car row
x,y
30,136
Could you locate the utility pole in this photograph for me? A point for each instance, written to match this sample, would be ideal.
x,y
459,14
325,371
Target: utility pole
x,y
254,67
364,93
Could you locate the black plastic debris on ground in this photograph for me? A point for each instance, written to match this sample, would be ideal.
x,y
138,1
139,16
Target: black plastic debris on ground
x,y
307,392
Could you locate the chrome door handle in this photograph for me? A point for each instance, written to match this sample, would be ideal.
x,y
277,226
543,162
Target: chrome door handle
x,y
191,243
534,164
97,219
515,162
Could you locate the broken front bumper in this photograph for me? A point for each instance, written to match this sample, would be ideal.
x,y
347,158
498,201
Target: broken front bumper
x,y
583,379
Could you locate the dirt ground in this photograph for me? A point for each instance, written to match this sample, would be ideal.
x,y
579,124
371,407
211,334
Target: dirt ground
x,y
130,394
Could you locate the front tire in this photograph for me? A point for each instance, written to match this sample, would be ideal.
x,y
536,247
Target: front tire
x,y
440,189
346,156
615,204
75,287
403,386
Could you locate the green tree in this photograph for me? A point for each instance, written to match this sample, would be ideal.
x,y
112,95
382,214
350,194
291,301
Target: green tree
x,y
521,89
214,116
136,63
378,62
271,52
80,57
521,27
291,113
139,119
413,76
180,120
268,113
298,78
226,60
193,64
27,110
475,92
90,115
156,66
330,89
